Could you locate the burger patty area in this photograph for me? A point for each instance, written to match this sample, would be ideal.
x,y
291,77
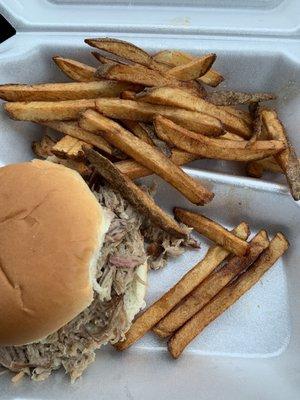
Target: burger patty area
x,y
106,320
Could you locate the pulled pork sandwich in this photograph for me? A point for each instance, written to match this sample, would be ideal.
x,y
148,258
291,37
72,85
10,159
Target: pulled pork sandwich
x,y
73,269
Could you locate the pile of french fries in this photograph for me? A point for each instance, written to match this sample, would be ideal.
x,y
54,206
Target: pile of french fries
x,y
139,114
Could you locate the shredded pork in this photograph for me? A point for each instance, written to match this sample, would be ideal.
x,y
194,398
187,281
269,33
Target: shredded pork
x,y
105,321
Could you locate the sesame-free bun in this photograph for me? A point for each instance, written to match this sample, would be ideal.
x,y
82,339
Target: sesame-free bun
x,y
51,232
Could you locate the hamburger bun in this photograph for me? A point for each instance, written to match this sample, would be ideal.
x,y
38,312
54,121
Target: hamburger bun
x,y
51,232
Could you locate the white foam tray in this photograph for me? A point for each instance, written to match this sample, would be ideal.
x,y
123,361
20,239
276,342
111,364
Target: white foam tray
x,y
253,350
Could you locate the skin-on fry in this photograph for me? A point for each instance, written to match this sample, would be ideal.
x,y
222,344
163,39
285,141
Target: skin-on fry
x,y
227,296
257,168
287,159
78,166
145,112
134,195
43,147
137,129
147,155
72,128
75,70
241,114
69,147
48,110
176,58
125,50
230,98
257,124
213,231
179,98
109,59
193,69
214,148
169,300
231,136
210,287
63,91
134,170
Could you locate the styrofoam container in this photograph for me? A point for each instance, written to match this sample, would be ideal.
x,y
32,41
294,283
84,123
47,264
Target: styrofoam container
x,y
253,350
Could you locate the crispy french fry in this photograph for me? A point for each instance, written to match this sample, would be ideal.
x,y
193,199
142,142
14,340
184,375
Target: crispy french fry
x,y
128,95
212,285
241,114
193,69
213,231
257,123
177,97
147,155
257,168
125,50
75,70
39,111
72,128
137,129
176,58
63,91
69,147
287,159
134,195
227,296
109,59
134,170
43,147
169,300
231,136
145,112
203,146
229,98
78,166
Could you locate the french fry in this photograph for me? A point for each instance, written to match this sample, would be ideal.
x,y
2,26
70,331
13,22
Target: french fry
x,y
231,136
227,296
43,147
63,91
170,299
75,70
257,168
134,170
222,149
213,231
147,155
128,95
109,59
257,124
212,285
69,147
241,114
287,159
145,112
71,128
134,195
179,98
125,50
193,69
39,111
137,129
176,58
78,166
230,98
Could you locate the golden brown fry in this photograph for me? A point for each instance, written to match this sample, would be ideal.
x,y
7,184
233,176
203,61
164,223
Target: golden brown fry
x,y
227,296
134,170
43,147
169,300
212,285
39,111
241,114
222,149
125,50
287,159
75,70
231,136
213,231
177,97
69,147
109,59
147,155
145,112
72,128
128,95
78,166
229,98
193,69
63,91
141,201
175,58
257,168
137,129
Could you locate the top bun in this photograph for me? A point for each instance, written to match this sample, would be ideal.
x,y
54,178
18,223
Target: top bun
x,y
51,231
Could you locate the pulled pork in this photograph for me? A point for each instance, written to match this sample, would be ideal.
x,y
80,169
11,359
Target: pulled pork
x,y
105,321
